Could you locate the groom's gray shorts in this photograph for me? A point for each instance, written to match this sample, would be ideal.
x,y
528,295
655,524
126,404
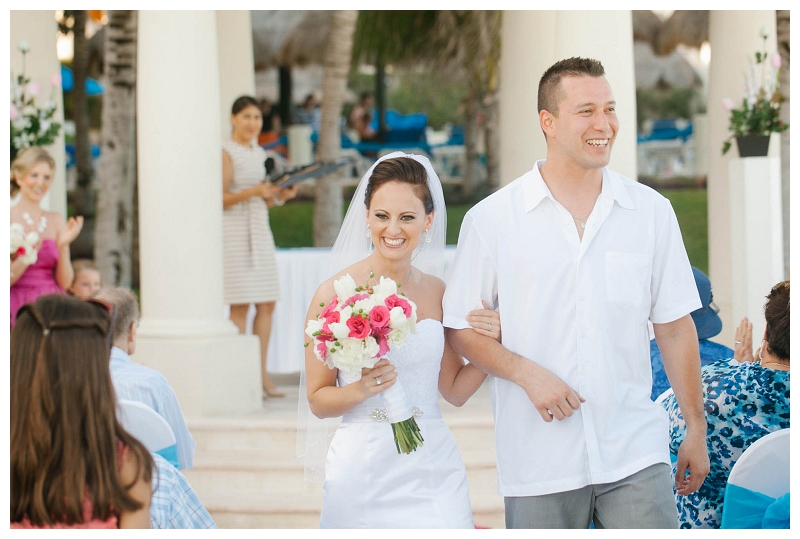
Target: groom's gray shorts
x,y
642,500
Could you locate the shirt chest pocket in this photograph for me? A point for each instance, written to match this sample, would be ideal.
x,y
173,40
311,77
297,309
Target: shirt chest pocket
x,y
627,278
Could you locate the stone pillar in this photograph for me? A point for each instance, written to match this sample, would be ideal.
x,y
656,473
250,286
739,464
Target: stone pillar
x,y
183,332
756,235
236,66
40,30
535,40
735,38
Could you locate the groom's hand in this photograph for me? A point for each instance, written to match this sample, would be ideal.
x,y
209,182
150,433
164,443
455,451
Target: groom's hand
x,y
552,397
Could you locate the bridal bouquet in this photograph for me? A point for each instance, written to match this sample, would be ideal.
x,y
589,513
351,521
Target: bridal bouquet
x,y
23,246
358,327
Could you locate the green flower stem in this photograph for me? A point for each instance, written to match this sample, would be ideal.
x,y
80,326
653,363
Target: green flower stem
x,y
407,436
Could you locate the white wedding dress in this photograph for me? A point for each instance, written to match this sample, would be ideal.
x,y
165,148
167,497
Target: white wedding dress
x,y
368,484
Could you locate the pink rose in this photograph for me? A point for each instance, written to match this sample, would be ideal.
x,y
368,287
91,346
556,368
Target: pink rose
x,y
359,327
14,113
728,104
358,297
34,88
775,60
396,301
55,79
323,350
379,316
332,317
329,309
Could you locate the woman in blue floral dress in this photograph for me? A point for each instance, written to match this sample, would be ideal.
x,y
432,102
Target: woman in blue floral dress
x,y
745,398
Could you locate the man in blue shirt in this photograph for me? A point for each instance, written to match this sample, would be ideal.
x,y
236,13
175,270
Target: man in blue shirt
x,y
133,381
708,325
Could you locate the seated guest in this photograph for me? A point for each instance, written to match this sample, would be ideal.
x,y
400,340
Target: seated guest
x,y
361,117
72,463
744,401
87,278
175,506
708,324
136,382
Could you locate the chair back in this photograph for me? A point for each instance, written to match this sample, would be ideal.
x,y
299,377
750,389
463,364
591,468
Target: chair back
x,y
764,466
757,493
145,424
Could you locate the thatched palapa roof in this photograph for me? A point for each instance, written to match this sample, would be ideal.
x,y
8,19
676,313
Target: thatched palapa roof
x,y
289,38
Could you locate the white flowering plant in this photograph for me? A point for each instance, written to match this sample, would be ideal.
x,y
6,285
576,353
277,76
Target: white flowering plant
x,y
23,246
31,125
759,112
358,327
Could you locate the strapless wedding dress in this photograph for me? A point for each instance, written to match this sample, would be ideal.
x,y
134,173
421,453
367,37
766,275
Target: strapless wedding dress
x,y
368,484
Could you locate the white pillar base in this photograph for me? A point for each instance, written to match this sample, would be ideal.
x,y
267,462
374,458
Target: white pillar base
x,y
211,376
756,234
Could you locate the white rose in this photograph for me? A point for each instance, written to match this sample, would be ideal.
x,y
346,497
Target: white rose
x,y
23,46
384,289
312,327
364,305
397,320
32,238
397,337
345,287
339,330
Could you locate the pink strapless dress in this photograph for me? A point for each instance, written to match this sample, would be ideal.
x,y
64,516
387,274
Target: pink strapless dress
x,y
38,280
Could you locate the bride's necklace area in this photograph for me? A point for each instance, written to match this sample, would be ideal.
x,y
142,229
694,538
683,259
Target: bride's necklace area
x,y
42,221
372,275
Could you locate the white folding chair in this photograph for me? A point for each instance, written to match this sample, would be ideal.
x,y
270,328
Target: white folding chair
x,y
147,426
759,477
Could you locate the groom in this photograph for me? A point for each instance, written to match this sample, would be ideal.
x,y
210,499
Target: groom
x,y
577,258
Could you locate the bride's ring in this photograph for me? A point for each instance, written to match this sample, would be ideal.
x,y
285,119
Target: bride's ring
x,y
378,380
490,326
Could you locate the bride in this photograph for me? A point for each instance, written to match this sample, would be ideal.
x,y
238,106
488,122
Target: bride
x,y
398,208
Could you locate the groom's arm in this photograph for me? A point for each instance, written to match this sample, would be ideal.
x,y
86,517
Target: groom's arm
x,y
551,396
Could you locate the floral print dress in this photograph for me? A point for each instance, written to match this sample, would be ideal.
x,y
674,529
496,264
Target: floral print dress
x,y
743,402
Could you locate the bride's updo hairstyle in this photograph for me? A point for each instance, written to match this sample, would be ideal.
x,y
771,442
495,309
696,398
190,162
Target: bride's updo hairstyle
x,y
403,170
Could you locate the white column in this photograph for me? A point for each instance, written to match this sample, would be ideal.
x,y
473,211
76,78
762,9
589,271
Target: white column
x,y
535,40
40,30
756,235
734,38
236,66
183,332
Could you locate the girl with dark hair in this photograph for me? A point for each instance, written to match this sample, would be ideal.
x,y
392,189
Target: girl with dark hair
x,y
72,464
41,264
251,270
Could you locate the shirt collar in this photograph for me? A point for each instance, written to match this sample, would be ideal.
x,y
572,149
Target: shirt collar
x,y
535,190
119,355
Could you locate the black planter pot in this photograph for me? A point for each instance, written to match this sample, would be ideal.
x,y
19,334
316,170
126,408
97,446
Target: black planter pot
x,y
753,145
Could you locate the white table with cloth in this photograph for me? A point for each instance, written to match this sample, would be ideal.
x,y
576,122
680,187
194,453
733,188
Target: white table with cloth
x,y
300,271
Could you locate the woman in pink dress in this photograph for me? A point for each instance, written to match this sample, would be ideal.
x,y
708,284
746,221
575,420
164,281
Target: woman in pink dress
x,y
44,267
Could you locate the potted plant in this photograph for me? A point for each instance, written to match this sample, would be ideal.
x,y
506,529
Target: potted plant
x,y
30,124
759,113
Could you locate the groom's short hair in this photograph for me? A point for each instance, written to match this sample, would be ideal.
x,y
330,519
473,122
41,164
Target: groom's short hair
x,y
550,92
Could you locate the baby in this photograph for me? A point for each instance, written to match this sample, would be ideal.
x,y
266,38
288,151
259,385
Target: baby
x,y
87,279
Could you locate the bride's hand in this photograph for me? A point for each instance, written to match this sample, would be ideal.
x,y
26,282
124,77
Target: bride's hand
x,y
378,378
485,321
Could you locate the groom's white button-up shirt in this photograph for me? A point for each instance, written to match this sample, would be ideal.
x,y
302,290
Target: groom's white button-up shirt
x,y
580,309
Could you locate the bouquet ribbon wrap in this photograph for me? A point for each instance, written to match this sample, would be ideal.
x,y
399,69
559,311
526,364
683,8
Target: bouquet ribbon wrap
x,y
398,407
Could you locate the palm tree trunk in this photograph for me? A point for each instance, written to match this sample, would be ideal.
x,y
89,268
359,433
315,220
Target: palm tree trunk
x,y
492,137
328,200
117,166
473,173
82,199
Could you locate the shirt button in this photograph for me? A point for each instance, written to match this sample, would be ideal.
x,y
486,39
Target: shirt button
x,y
583,334
583,370
583,298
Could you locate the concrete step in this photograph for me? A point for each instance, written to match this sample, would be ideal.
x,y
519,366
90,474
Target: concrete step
x,y
246,475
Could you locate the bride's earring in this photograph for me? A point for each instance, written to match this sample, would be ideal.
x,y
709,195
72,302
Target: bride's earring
x,y
369,232
427,237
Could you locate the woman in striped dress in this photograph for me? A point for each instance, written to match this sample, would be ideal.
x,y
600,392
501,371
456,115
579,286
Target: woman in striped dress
x,y
251,272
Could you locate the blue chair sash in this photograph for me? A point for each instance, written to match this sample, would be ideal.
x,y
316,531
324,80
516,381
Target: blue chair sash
x,y
746,509
171,454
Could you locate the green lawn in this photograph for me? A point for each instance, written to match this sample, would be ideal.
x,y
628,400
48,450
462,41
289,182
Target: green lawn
x,y
292,224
